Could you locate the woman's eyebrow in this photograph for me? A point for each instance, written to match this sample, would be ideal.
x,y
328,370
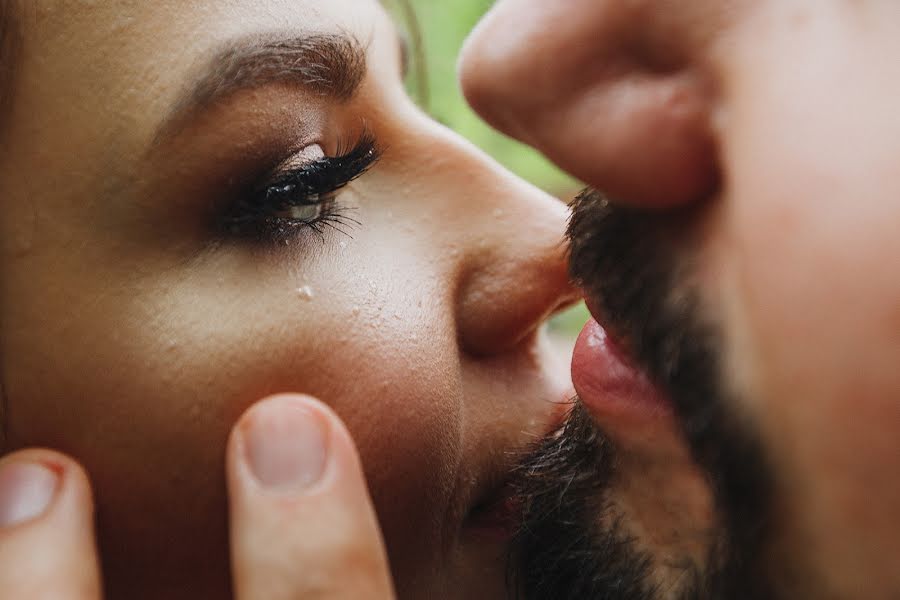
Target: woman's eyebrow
x,y
332,65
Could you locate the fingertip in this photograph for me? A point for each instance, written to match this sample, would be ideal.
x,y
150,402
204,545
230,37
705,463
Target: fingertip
x,y
297,495
36,482
292,444
281,444
46,534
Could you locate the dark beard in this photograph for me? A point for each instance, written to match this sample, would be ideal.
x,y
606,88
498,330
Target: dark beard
x,y
571,544
635,266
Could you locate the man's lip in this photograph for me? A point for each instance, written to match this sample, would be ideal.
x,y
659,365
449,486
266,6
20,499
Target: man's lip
x,y
610,386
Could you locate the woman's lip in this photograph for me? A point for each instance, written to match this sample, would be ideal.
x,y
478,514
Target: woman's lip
x,y
611,388
496,517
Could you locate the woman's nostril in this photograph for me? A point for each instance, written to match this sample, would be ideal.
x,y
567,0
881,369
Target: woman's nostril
x,y
507,300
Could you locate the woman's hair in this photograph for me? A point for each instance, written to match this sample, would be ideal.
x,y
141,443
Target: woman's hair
x,y
417,67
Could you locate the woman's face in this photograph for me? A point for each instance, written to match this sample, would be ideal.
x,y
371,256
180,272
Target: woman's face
x,y
175,247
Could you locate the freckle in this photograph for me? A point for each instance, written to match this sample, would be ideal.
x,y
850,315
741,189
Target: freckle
x,y
305,292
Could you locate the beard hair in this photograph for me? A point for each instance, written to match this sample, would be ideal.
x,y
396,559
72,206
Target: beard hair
x,y
572,543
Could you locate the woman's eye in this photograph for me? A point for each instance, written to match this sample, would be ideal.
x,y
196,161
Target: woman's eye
x,y
301,194
308,212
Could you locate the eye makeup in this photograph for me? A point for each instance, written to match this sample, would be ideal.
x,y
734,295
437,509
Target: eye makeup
x,y
300,195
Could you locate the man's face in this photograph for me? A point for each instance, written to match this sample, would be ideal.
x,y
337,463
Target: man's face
x,y
747,261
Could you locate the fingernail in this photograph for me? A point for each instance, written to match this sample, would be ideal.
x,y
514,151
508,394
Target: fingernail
x,y
285,444
26,490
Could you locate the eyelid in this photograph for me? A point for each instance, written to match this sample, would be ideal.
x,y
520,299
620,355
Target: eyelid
x,y
351,159
308,178
307,155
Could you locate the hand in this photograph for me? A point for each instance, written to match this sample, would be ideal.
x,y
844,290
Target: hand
x,y
302,523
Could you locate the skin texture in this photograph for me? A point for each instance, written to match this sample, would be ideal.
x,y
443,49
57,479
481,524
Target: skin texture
x,y
775,123
134,333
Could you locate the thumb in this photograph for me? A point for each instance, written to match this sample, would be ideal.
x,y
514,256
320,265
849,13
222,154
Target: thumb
x,y
47,545
302,523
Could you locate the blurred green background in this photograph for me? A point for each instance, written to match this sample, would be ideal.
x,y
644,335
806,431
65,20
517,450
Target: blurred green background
x,y
441,27
444,25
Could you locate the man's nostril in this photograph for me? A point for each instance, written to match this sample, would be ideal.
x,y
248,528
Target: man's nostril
x,y
629,116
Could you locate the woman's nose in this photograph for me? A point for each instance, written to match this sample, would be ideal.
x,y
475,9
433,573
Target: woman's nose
x,y
590,85
516,271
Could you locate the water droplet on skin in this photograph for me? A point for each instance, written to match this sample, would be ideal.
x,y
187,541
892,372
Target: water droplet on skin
x,y
305,292
355,311
343,245
498,212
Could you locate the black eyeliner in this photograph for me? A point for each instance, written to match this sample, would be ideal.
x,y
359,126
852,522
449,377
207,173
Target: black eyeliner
x,y
264,212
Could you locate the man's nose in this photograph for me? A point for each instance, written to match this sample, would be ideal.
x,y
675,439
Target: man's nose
x,y
586,84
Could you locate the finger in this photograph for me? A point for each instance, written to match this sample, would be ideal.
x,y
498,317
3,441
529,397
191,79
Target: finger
x,y
302,522
47,547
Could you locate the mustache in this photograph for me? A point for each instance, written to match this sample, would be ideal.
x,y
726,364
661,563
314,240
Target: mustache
x,y
628,262
636,268
639,269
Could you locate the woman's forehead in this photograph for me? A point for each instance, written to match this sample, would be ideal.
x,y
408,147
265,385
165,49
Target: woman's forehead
x,y
151,55
172,34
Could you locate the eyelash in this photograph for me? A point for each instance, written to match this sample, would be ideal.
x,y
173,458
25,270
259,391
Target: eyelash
x,y
273,211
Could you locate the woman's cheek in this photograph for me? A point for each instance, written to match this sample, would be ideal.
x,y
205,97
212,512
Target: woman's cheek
x,y
177,358
381,351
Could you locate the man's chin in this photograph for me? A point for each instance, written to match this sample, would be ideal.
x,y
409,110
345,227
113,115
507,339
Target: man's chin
x,y
571,544
577,537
